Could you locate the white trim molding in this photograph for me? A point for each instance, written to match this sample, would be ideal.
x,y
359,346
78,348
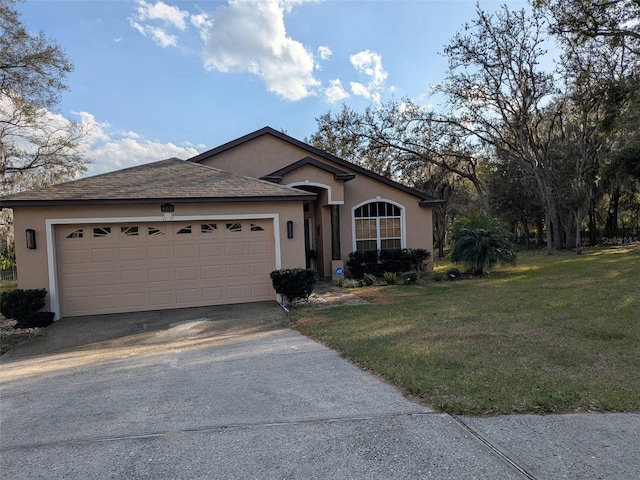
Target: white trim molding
x,y
52,263
308,183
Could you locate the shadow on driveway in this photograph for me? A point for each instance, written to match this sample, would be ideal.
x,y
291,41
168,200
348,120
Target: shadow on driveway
x,y
154,327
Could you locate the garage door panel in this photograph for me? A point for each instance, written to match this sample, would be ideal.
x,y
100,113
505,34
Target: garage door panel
x,y
210,272
158,252
213,294
77,279
187,297
234,248
237,270
186,273
78,304
130,254
261,291
162,298
133,300
237,292
76,256
259,248
105,279
210,250
137,267
102,255
257,269
184,251
133,277
159,275
106,302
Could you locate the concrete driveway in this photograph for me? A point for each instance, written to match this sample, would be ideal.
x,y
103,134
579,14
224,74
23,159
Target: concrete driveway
x,y
229,392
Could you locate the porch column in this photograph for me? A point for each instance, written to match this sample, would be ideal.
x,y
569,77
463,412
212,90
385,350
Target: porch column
x,y
335,232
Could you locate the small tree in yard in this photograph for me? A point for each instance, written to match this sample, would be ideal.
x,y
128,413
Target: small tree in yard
x,y
480,243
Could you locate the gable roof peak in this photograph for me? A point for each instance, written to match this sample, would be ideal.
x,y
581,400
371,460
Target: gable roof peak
x,y
424,198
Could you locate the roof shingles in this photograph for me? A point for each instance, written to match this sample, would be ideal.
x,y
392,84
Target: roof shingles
x,y
172,180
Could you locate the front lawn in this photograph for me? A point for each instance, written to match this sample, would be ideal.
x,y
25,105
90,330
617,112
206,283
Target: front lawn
x,y
550,334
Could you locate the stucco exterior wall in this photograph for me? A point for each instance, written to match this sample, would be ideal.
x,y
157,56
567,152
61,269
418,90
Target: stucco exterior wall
x,y
257,158
33,265
267,154
418,220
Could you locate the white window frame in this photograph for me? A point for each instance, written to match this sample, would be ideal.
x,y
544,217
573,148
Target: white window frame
x,y
403,229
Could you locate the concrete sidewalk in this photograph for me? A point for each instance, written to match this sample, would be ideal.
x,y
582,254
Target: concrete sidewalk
x,y
230,393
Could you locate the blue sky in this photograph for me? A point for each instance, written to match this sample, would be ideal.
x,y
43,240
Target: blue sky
x,y
156,79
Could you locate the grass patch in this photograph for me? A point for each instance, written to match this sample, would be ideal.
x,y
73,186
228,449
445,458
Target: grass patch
x,y
7,287
552,334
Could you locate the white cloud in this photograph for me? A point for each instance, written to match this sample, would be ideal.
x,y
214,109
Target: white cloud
x,y
160,36
251,37
167,14
335,92
110,151
154,20
245,36
201,21
369,64
360,90
324,52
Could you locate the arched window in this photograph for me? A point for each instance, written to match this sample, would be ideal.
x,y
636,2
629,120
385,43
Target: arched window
x,y
378,226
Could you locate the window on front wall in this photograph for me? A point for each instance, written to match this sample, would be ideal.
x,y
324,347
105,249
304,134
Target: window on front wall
x,y
378,226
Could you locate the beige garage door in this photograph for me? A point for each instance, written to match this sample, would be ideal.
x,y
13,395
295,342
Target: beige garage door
x,y
131,267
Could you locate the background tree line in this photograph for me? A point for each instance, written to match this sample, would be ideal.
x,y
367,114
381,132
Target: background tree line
x,y
550,147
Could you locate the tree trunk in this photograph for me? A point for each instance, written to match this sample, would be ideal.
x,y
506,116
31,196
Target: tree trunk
x,y
611,226
540,229
569,240
525,227
578,231
593,228
547,222
557,230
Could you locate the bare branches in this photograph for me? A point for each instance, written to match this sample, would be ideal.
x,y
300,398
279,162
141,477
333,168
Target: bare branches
x,y
37,147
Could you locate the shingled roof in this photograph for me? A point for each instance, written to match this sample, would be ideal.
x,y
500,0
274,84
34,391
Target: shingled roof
x,y
171,180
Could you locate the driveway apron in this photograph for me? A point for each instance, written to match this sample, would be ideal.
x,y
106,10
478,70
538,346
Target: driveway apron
x,y
221,392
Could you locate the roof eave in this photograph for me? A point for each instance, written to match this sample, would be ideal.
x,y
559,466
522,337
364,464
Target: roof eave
x,y
152,201
431,202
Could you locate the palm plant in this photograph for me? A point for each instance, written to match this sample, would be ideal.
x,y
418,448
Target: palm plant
x,y
480,243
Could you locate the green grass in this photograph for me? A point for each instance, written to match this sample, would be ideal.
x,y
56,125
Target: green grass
x,y
550,334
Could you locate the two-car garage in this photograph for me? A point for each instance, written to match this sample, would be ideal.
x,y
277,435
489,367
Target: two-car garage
x,y
162,235
137,266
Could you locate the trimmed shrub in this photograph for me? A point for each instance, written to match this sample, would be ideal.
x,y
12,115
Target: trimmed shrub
x,y
394,260
22,305
294,283
418,259
360,263
376,262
